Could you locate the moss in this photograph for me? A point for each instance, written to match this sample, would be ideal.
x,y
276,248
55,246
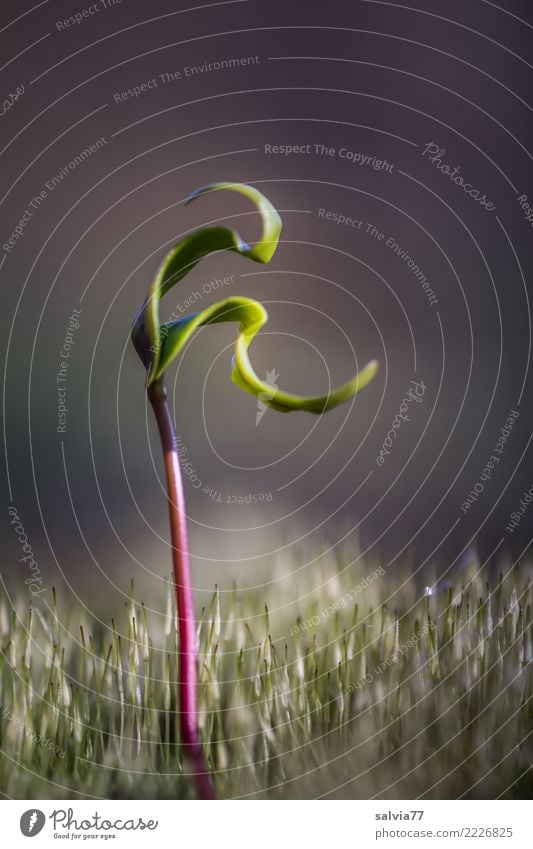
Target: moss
x,y
344,695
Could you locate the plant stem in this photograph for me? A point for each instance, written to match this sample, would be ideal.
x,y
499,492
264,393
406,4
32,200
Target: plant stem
x,y
188,648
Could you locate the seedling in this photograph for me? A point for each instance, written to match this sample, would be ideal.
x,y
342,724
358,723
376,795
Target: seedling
x,y
158,345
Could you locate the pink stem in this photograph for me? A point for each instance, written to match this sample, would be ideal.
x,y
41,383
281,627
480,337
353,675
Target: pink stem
x,y
188,648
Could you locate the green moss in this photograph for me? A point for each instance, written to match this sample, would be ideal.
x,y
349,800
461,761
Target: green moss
x,y
340,695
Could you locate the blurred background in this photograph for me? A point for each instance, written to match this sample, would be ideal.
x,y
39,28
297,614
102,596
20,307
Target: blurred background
x,y
165,99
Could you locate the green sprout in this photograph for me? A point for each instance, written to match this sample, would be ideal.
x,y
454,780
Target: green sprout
x,y
158,345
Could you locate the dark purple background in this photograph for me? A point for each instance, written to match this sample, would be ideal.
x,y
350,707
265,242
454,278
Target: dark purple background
x,y
377,78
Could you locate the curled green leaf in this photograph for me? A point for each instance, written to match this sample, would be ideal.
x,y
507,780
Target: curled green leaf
x,y
251,316
158,345
187,253
265,248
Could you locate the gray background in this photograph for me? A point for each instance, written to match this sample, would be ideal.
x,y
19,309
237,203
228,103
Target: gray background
x,y
375,78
